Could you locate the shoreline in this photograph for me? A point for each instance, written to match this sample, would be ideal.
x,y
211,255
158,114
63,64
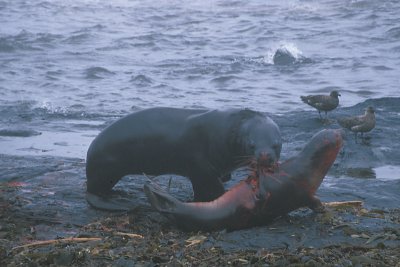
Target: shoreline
x,y
43,200
125,240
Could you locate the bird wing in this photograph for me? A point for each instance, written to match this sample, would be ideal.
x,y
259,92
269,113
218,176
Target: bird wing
x,y
312,100
366,125
350,122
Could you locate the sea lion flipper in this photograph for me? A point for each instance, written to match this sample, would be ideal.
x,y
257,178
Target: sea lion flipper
x,y
159,199
110,203
316,205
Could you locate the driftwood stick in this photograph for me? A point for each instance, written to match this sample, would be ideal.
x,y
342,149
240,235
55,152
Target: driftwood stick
x,y
128,234
58,241
336,204
72,240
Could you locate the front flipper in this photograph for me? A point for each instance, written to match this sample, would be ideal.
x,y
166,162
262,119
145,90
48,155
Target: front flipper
x,y
316,205
112,202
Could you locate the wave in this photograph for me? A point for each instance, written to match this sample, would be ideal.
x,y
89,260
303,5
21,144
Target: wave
x,y
97,73
141,80
21,41
151,40
224,78
77,38
393,33
30,111
27,41
14,132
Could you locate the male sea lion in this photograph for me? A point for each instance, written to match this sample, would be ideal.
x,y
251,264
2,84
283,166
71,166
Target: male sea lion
x,y
262,196
322,102
203,145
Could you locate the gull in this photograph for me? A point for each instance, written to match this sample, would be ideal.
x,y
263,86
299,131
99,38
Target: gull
x,y
322,102
360,124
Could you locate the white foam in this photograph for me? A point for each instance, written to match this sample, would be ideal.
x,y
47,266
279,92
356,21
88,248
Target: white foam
x,y
387,172
50,108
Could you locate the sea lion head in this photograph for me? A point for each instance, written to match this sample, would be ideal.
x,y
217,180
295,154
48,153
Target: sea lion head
x,y
319,155
262,141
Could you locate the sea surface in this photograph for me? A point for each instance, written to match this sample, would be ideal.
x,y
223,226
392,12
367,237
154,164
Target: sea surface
x,y
68,68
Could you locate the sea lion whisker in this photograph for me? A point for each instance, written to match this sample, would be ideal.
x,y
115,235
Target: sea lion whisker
x,y
245,156
244,161
275,178
249,166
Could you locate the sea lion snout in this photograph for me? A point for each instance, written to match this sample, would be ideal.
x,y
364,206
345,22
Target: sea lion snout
x,y
327,138
267,161
335,137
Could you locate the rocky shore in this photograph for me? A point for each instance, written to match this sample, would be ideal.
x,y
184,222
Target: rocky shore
x,y
45,221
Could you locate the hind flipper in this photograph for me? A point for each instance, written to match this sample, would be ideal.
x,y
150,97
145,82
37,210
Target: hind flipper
x,y
159,199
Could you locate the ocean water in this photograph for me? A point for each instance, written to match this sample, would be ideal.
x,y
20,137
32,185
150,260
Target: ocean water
x,y
68,68
111,57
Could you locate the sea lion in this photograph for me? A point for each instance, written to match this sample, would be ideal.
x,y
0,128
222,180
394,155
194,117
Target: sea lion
x,y
203,145
322,102
261,197
360,124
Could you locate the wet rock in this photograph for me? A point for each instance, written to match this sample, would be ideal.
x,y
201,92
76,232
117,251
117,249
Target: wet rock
x,y
283,56
380,245
160,259
362,260
5,246
282,262
312,263
344,263
122,262
64,258
305,258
